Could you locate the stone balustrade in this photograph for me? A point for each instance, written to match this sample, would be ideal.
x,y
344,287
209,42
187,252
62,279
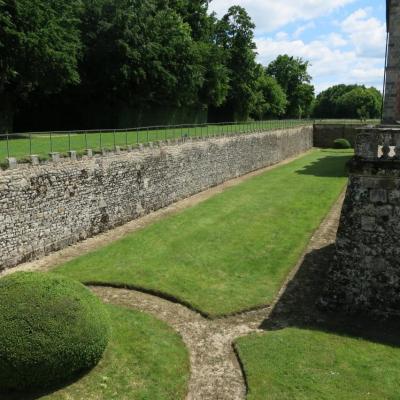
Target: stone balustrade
x,y
378,144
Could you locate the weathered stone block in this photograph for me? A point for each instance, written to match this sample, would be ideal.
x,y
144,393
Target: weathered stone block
x,y
384,211
368,224
55,157
72,155
378,195
12,162
394,196
34,159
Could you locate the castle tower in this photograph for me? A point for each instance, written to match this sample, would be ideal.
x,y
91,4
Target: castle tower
x,y
365,275
391,113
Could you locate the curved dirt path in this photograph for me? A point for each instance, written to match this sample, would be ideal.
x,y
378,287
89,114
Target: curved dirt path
x,y
215,370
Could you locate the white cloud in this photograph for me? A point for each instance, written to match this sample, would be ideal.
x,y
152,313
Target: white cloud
x,y
366,33
270,15
353,54
281,36
336,40
329,65
297,33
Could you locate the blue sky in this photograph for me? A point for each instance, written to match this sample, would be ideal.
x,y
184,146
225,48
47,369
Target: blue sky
x,y
344,40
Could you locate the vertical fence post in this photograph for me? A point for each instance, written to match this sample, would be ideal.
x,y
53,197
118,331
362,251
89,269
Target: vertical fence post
x,y
101,140
126,138
69,141
51,142
8,146
30,143
86,142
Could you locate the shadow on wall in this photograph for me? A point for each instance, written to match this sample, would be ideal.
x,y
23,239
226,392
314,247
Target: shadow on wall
x,y
298,306
328,167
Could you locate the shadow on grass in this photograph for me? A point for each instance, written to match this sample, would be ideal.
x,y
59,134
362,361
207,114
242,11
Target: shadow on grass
x,y
298,306
328,167
38,394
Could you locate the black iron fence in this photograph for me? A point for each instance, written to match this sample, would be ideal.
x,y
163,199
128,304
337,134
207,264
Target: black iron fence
x,y
42,144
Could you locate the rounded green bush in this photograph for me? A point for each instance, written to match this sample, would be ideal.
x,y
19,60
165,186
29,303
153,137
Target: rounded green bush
x,y
342,144
51,329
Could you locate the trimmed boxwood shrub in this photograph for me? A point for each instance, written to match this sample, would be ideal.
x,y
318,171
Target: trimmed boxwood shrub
x,y
342,144
51,329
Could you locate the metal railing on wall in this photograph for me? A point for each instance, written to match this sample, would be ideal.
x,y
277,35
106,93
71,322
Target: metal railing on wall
x,y
42,144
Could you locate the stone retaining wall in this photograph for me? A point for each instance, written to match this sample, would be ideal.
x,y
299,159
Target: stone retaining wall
x,y
48,207
326,134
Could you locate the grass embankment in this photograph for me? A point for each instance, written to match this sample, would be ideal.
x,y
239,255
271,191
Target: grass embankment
x,y
233,251
145,359
313,365
22,145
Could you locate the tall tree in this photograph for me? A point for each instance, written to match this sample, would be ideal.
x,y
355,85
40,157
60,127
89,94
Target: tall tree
x,y
292,74
271,99
148,52
235,33
39,49
211,56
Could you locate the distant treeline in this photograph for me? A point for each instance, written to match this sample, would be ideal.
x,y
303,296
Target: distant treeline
x,y
118,63
348,101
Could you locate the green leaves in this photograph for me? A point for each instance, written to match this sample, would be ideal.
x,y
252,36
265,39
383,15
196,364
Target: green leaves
x,y
40,45
235,34
271,100
348,101
292,74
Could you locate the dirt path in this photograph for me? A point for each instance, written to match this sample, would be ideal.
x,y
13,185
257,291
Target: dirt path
x,y
91,244
215,370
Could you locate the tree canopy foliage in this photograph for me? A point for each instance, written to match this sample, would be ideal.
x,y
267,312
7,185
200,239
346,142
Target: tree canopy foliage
x,y
292,75
86,60
39,47
348,101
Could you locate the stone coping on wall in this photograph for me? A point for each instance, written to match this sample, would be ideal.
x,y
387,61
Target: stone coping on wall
x,y
73,156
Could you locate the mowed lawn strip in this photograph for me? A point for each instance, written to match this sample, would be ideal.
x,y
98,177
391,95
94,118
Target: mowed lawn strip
x,y
233,251
145,359
313,365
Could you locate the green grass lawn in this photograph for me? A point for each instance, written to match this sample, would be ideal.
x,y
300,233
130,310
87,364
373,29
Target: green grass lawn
x,y
232,252
43,143
145,360
313,365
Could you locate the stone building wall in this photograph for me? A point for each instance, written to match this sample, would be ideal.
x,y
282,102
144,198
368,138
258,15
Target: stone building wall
x,y
391,112
365,276
48,207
